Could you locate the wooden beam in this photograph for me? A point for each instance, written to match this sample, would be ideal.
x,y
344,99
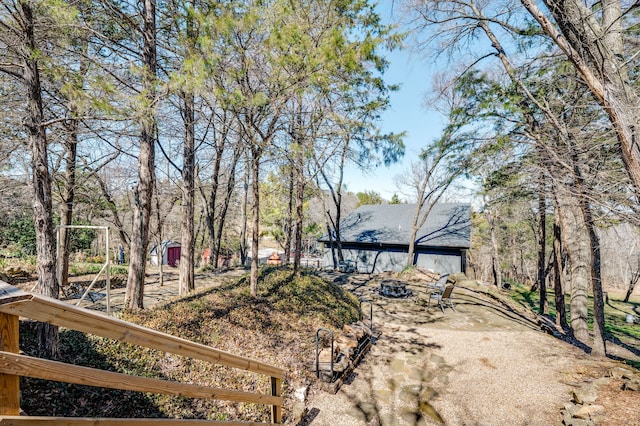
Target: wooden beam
x,y
83,421
9,383
45,309
276,409
22,365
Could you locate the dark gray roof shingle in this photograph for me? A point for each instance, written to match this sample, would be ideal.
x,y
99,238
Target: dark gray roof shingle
x,y
448,225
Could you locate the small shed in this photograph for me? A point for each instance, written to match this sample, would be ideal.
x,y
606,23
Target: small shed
x,y
170,253
375,238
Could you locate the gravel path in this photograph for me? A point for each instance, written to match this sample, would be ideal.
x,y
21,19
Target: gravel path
x,y
484,364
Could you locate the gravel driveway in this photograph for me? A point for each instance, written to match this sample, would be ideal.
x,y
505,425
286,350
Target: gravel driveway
x,y
485,364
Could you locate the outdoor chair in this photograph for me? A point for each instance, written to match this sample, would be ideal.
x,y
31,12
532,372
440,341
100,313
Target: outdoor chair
x,y
438,286
444,298
441,282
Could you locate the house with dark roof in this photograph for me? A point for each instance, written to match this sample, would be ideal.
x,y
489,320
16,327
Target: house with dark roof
x,y
375,238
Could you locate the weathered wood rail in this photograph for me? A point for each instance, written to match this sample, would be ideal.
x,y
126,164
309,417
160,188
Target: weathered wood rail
x,y
15,303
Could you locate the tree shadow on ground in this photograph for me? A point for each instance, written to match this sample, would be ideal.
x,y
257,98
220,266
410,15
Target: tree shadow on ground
x,y
495,305
633,349
634,306
546,323
529,319
410,399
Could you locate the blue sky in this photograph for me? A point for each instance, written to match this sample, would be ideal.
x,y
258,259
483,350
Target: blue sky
x,y
407,113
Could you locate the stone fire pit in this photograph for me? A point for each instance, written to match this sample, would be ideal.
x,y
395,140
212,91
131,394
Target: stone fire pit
x,y
394,288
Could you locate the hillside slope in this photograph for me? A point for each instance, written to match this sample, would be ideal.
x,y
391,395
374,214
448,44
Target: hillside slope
x,y
277,327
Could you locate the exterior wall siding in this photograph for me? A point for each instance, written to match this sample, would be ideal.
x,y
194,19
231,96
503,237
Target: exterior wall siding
x,y
395,259
443,263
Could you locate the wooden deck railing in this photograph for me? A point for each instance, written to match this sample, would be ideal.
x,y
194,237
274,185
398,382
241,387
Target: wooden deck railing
x,y
15,303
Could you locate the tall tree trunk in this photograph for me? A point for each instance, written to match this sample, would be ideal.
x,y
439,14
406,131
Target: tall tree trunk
x,y
558,272
255,222
495,257
187,271
542,244
243,213
332,246
230,187
599,338
289,221
67,200
577,246
134,296
300,185
215,230
599,347
214,250
336,225
584,252
159,237
41,180
69,189
412,239
336,195
201,228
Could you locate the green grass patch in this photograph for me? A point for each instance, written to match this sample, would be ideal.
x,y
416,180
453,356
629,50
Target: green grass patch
x,y
615,312
277,326
87,268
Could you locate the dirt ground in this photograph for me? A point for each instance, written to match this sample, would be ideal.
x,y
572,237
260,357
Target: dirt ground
x,y
486,363
157,291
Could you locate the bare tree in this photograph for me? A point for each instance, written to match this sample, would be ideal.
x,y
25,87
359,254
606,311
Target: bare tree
x,y
542,244
67,196
187,258
593,43
110,204
558,273
470,16
429,178
633,280
227,149
134,297
21,37
42,202
495,256
335,190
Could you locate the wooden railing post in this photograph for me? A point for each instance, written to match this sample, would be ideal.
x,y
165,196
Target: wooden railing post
x,y
9,383
276,410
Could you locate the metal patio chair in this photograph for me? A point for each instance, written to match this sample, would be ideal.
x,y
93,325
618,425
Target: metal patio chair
x,y
444,298
441,283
